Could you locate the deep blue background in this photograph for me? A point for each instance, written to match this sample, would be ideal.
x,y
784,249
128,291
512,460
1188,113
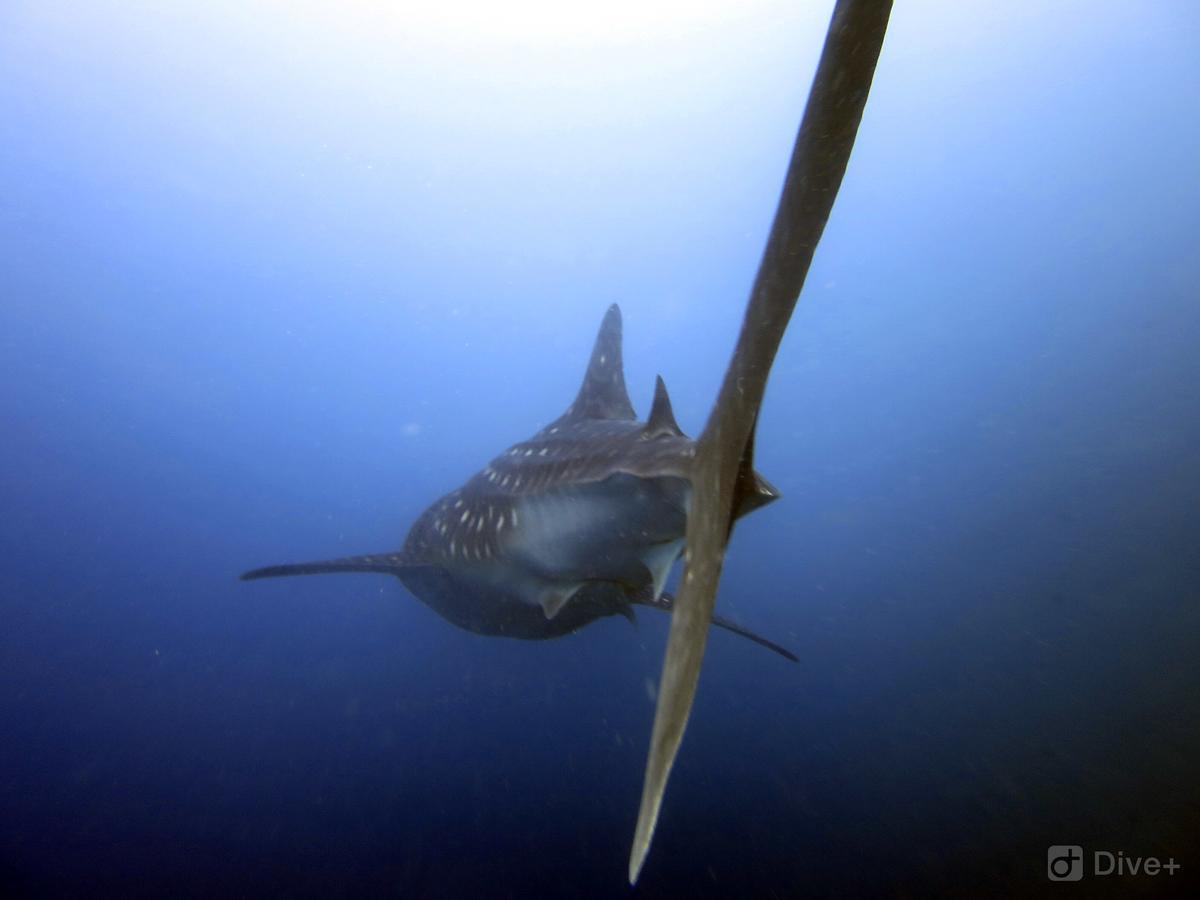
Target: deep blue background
x,y
274,277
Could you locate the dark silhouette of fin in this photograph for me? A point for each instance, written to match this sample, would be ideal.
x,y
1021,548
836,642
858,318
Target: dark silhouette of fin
x,y
818,163
751,491
666,603
602,394
385,563
662,417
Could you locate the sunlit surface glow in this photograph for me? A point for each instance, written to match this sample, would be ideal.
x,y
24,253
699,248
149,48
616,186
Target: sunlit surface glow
x,y
542,22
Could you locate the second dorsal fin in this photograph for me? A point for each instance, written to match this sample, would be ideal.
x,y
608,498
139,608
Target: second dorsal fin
x,y
662,417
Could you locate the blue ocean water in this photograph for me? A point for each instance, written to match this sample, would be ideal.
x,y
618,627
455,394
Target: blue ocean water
x,y
274,277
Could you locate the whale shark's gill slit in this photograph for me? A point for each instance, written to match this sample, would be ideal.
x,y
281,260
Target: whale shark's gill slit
x,y
818,163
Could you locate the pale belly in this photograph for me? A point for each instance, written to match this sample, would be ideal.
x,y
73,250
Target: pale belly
x,y
614,530
570,556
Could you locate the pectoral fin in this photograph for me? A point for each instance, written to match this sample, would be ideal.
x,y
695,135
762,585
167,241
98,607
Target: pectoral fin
x,y
385,563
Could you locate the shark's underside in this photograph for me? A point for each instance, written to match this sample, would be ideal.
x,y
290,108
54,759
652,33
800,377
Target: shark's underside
x,y
583,520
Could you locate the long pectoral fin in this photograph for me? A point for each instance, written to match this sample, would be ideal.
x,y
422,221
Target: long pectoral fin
x,y
666,603
385,563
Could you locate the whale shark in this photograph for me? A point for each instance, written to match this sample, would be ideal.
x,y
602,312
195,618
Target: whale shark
x,y
587,518
581,521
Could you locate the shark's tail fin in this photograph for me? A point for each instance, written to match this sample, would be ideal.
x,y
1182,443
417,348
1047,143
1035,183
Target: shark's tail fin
x,y
385,563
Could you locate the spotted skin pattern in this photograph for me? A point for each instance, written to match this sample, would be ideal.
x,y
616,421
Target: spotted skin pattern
x,y
583,520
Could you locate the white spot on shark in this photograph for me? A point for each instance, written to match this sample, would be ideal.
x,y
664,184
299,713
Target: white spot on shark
x,y
466,516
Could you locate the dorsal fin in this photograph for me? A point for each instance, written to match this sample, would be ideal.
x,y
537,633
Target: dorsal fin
x,y
662,417
602,394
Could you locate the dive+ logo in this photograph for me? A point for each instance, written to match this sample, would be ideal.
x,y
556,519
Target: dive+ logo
x,y
1066,862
